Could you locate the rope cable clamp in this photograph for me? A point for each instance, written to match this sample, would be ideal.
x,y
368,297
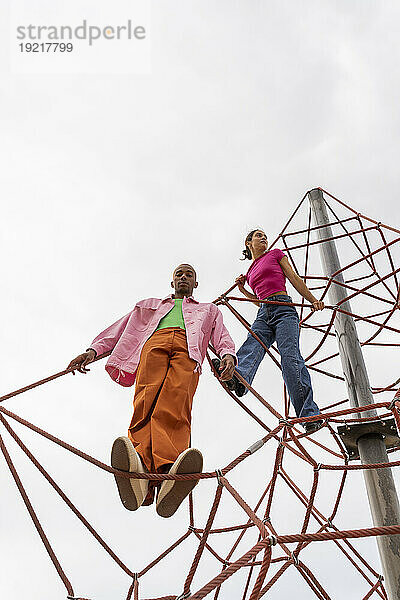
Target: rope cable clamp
x,y
183,596
272,540
266,520
218,472
393,402
285,422
294,558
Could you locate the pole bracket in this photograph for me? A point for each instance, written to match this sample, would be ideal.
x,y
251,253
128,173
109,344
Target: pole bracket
x,y
351,433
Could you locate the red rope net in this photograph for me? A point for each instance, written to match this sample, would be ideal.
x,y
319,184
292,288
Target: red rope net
x,y
265,554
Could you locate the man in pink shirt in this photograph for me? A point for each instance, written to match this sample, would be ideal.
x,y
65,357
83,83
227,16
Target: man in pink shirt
x,y
161,344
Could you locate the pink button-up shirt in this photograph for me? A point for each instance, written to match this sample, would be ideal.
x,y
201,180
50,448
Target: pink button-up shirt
x,y
126,337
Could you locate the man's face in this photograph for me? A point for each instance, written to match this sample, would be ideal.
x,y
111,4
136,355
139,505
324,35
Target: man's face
x,y
184,280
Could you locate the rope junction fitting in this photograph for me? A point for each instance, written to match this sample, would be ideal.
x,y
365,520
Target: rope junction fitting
x,y
218,473
256,446
294,558
272,540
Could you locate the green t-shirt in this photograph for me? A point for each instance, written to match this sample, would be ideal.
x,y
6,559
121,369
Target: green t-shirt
x,y
174,318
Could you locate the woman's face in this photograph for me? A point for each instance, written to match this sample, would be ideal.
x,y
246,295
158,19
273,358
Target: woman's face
x,y
258,244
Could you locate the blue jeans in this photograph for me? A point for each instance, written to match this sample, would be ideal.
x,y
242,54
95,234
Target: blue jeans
x,y
280,323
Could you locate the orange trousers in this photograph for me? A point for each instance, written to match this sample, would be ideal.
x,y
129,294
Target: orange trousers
x,y
165,386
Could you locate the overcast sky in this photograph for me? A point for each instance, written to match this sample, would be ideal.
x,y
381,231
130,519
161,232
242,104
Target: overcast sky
x,y
108,181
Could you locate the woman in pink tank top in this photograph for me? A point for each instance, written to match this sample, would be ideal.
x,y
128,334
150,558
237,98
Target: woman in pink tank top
x,y
267,277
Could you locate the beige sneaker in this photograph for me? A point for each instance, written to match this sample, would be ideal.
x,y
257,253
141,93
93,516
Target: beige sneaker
x,y
172,493
125,458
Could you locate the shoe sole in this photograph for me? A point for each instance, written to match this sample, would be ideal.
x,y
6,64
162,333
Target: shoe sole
x,y
172,493
125,458
317,427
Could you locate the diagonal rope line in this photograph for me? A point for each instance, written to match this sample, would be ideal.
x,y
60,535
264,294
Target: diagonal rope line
x,y
35,519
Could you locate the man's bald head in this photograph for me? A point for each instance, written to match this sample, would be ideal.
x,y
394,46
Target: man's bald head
x,y
184,280
185,266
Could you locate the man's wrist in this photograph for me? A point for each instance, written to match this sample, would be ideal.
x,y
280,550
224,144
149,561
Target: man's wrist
x,y
92,350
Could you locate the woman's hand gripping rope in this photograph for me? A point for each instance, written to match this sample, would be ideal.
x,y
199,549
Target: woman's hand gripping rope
x,y
241,280
317,305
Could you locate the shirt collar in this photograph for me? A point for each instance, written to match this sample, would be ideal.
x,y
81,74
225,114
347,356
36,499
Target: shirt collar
x,y
188,298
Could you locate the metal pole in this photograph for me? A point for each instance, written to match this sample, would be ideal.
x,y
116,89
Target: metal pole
x,y
382,495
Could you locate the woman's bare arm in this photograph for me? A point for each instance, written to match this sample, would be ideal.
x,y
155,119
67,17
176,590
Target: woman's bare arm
x,y
299,284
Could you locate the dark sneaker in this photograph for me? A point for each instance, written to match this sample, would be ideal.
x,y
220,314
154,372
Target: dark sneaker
x,y
313,426
217,365
234,385
239,388
230,384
